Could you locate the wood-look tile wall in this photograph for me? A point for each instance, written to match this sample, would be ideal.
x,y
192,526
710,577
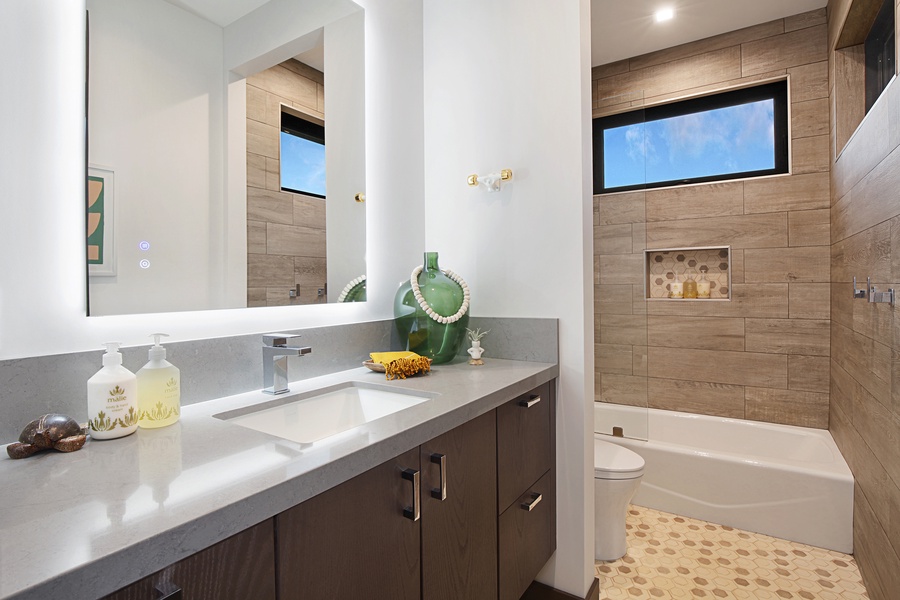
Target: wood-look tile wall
x,y
765,354
865,338
285,231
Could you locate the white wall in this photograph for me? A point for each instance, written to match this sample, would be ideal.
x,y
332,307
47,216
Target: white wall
x,y
345,153
507,85
42,283
157,120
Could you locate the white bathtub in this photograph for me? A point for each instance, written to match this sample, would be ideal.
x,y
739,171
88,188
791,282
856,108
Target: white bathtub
x,y
784,481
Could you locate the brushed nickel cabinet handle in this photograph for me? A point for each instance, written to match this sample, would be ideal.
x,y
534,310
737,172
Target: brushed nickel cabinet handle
x,y
168,591
415,512
530,402
535,500
441,461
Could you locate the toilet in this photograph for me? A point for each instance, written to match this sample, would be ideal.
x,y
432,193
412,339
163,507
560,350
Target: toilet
x,y
617,475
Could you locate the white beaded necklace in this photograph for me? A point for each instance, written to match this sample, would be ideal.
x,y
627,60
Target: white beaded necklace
x,y
414,282
353,283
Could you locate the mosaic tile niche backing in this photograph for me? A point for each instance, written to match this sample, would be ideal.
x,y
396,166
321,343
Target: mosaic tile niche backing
x,y
664,265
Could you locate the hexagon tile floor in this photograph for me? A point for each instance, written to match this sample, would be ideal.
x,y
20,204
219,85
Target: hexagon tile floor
x,y
680,558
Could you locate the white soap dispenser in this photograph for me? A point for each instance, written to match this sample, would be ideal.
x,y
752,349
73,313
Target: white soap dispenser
x,y
112,398
159,388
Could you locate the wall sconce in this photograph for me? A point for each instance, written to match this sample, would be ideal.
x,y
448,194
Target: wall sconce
x,y
490,181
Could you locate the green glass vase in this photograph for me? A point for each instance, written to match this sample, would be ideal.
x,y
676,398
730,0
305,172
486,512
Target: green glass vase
x,y
419,332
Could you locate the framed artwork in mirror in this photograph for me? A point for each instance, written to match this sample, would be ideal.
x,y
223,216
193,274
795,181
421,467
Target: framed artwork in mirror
x,y
101,247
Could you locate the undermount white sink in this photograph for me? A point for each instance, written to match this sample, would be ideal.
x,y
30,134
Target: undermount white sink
x,y
312,416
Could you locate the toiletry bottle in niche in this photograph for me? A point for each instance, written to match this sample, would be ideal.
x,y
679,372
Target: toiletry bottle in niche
x,y
690,287
703,287
159,388
112,398
677,289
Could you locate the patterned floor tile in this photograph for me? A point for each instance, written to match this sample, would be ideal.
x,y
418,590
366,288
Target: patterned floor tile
x,y
680,558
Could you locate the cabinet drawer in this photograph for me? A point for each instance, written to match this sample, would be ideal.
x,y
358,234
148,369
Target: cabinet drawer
x,y
527,538
241,567
524,450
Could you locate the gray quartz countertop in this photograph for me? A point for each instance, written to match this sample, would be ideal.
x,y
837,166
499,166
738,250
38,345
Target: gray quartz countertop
x,y
84,524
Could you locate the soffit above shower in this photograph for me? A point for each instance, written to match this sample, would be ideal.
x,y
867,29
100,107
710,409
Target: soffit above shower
x,y
220,12
625,28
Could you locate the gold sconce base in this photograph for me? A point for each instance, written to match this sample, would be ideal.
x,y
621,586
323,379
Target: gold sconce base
x,y
491,181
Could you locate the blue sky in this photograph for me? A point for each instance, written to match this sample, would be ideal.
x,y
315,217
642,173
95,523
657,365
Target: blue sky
x,y
302,164
733,139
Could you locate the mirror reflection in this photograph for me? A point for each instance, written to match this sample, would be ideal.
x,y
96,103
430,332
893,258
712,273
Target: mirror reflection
x,y
226,154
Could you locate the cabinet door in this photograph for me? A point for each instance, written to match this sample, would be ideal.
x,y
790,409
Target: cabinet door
x,y
527,537
459,532
524,448
241,567
353,541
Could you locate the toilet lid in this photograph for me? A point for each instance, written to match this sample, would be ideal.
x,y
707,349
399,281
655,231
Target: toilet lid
x,y
612,461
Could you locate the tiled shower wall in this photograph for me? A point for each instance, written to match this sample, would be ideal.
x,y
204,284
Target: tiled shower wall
x,y
765,354
285,231
865,361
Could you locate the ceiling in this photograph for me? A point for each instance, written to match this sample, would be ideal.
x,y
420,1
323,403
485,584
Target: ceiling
x,y
619,28
314,55
220,12
226,12
626,28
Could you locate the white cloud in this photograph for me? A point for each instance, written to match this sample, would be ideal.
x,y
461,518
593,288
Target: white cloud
x,y
728,133
640,146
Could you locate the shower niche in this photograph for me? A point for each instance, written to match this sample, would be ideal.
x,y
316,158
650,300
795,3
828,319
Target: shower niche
x,y
666,268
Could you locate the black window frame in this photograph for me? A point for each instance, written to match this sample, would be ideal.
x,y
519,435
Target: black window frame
x,y
776,91
880,49
299,127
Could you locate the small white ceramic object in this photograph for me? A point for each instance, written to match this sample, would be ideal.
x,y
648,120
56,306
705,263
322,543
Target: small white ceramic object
x,y
475,352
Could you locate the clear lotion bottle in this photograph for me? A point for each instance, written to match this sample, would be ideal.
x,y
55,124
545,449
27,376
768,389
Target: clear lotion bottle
x,y
112,398
159,388
690,288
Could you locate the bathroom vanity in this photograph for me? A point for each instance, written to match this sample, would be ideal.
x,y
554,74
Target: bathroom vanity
x,y
453,497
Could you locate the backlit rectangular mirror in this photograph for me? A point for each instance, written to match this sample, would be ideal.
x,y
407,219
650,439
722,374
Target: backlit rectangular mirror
x,y
226,150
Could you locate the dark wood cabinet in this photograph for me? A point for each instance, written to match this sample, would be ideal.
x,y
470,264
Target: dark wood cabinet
x,y
240,567
469,514
459,519
354,540
524,452
359,540
527,537
526,480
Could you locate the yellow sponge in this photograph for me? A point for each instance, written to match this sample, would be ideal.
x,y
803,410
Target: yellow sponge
x,y
401,364
386,357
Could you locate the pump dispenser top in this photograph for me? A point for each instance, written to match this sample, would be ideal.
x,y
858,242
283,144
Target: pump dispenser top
x,y
157,352
112,357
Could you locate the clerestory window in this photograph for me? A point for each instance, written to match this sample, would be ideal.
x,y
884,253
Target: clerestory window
x,y
730,135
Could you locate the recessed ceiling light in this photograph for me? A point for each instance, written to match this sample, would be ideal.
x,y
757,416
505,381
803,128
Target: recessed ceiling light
x,y
664,14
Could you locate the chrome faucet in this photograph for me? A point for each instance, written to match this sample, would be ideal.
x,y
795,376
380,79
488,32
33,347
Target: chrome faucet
x,y
275,364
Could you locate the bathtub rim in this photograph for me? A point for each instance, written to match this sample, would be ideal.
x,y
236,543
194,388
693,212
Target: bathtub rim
x,y
836,469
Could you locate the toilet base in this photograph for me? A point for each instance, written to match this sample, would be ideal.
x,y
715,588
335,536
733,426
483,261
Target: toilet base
x,y
610,541
611,498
